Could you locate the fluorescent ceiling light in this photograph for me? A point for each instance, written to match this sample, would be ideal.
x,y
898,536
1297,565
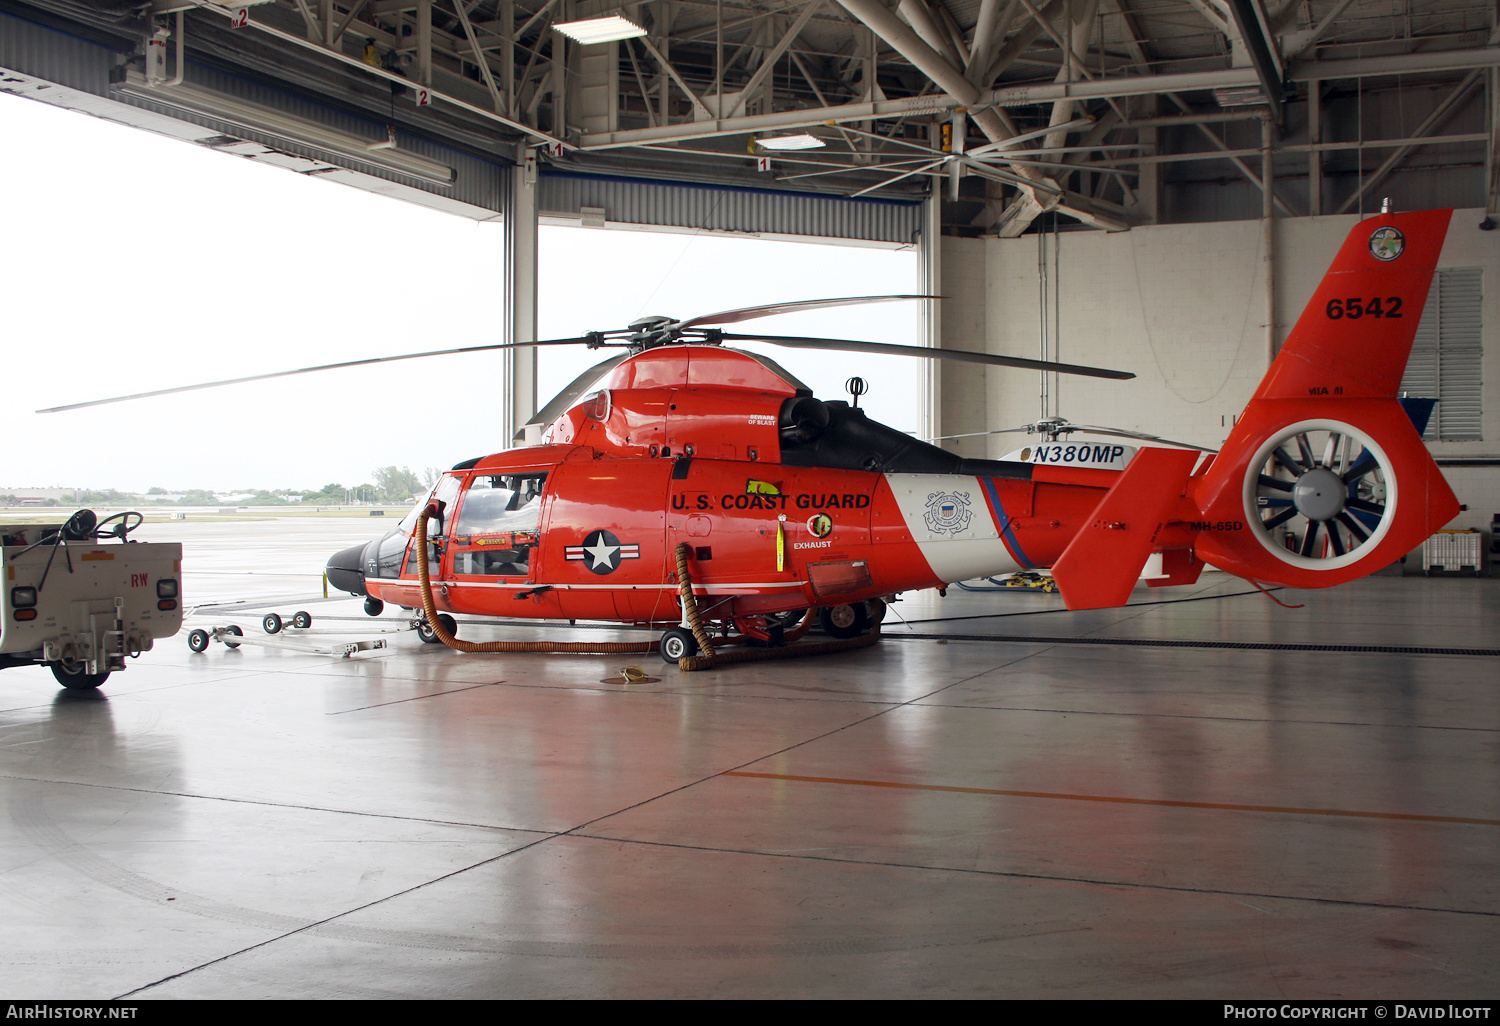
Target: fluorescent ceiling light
x,y
263,121
601,30
801,141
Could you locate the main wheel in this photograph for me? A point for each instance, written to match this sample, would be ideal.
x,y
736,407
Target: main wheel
x,y
78,681
301,619
676,643
428,635
198,640
876,608
271,623
844,621
233,629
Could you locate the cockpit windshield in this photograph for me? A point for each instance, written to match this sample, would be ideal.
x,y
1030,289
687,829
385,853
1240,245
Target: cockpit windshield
x,y
501,503
497,524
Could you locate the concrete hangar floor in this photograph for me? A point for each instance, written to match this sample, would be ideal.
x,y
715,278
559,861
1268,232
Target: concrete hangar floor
x,y
1018,802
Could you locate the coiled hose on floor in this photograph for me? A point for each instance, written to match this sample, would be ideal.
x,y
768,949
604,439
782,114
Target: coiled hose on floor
x,y
708,657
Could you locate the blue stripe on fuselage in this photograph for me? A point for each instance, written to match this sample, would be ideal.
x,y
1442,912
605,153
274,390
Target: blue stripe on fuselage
x,y
1003,523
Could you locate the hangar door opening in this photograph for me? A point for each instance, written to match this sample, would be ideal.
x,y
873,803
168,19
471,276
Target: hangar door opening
x,y
140,262
592,279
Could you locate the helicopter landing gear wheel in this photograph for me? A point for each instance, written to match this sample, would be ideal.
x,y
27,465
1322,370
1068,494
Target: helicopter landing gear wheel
x,y
844,621
429,636
235,630
677,643
373,606
301,619
73,677
271,624
198,640
876,609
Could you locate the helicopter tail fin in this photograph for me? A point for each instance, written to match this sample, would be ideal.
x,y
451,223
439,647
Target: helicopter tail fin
x,y
1325,478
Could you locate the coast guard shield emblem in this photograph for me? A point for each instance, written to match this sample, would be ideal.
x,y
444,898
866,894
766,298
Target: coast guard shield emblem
x,y
1387,243
948,512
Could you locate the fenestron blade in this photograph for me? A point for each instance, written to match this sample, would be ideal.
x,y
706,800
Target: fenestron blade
x,y
961,355
310,370
749,313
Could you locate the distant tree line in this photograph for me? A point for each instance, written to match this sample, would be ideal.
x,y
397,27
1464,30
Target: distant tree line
x,y
391,484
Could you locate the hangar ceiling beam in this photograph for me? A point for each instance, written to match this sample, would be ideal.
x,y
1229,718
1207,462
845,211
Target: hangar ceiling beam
x,y
1445,109
1252,28
906,42
337,33
1295,44
989,33
343,58
483,62
672,73
768,63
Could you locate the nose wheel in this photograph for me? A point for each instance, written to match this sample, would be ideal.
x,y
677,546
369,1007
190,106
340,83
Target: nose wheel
x,y
428,635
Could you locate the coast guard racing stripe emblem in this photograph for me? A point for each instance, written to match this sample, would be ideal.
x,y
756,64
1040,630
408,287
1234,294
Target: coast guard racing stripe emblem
x,y
602,552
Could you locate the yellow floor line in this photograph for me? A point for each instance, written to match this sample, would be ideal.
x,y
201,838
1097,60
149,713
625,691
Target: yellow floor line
x,y
1227,806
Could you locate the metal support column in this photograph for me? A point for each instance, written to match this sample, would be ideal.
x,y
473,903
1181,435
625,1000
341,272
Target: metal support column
x,y
1315,155
1268,220
520,220
930,268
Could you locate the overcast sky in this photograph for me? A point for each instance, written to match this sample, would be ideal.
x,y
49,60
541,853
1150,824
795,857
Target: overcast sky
x,y
135,262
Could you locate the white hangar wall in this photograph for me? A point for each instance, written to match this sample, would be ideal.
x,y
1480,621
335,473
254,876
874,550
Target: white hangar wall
x,y
1183,307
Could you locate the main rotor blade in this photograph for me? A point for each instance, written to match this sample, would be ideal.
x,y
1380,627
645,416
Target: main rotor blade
x,y
310,370
1123,433
976,434
749,313
961,355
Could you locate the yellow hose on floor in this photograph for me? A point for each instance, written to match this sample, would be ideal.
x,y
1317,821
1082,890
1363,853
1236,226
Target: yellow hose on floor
x,y
709,657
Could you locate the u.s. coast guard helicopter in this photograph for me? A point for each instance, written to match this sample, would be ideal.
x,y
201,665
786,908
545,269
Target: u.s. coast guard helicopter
x,y
788,503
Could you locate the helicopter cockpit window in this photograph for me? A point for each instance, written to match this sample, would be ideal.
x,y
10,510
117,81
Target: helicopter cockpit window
x,y
445,492
497,525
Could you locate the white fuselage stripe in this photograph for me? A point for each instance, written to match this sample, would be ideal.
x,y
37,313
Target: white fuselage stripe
x,y
394,582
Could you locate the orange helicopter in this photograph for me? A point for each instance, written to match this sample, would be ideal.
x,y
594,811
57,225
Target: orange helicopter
x,y
788,504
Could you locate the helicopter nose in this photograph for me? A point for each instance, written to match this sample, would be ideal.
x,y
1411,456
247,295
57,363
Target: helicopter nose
x,y
346,569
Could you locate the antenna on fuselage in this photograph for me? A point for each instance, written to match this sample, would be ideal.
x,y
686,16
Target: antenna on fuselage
x,y
856,387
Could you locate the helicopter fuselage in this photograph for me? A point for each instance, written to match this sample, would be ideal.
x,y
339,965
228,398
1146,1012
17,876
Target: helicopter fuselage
x,y
785,502
764,537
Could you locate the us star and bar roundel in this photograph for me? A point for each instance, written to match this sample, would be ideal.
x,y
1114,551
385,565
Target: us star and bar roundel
x,y
602,552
